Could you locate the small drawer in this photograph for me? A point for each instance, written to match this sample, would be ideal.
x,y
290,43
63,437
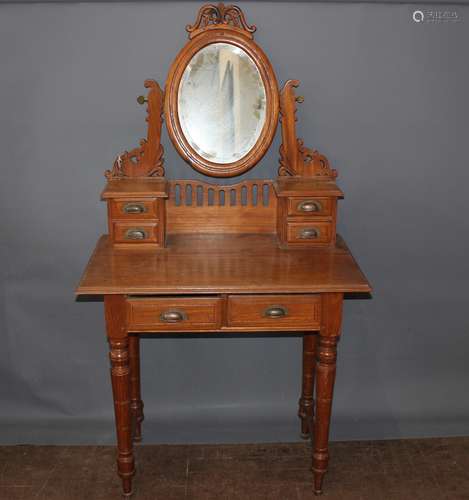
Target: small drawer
x,y
133,209
182,314
310,206
317,233
288,312
135,232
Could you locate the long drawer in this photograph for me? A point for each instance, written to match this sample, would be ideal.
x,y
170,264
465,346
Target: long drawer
x,y
274,311
174,313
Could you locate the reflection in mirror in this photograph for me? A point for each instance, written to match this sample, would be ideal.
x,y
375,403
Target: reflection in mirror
x,y
221,103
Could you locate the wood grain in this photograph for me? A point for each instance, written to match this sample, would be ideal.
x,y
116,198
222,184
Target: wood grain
x,y
300,186
238,263
136,188
198,313
301,311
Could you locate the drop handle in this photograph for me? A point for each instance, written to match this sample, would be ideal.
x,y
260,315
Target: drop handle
x,y
275,312
173,316
309,206
309,234
134,208
135,234
141,99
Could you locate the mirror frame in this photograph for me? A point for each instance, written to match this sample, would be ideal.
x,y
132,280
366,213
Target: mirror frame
x,y
200,38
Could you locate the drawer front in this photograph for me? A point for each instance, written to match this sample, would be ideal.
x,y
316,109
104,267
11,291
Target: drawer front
x,y
309,233
287,312
181,314
133,209
135,232
310,207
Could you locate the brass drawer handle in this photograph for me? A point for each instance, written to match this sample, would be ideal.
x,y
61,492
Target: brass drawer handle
x,y
135,234
275,312
173,316
134,208
310,233
309,206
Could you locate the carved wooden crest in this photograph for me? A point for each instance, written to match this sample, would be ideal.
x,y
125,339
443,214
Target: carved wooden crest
x,y
211,15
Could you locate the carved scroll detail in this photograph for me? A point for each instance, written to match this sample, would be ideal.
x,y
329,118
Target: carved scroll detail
x,y
315,164
214,15
295,158
147,159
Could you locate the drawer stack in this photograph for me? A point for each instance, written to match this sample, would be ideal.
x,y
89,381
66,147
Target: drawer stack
x,y
136,212
306,212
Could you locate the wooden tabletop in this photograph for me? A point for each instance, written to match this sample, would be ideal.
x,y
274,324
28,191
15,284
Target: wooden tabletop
x,y
223,263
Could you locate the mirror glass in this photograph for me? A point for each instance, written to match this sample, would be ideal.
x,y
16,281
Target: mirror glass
x,y
221,103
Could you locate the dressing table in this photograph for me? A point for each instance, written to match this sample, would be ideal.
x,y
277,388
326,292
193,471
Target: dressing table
x,y
252,256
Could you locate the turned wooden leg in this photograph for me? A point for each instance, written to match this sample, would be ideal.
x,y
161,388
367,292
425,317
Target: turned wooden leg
x,y
136,403
120,375
306,403
325,377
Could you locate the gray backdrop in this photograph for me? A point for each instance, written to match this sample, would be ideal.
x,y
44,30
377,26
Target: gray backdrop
x,y
385,99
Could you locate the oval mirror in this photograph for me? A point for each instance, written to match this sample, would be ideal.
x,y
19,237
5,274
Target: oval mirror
x,y
221,103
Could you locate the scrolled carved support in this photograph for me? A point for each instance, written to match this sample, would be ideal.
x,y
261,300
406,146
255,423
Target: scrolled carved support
x,y
314,163
147,159
295,158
